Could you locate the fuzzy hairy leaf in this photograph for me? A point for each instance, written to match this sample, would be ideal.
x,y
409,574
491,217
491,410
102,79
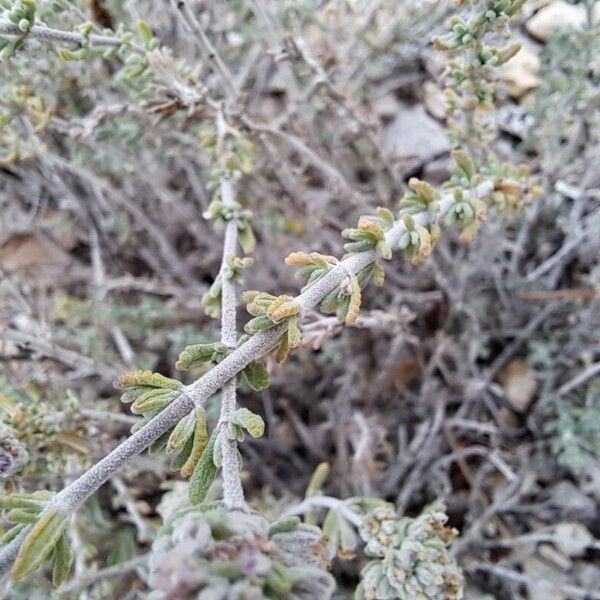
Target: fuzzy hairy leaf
x,y
38,544
62,559
256,375
198,354
204,473
249,421
181,433
145,378
199,444
155,399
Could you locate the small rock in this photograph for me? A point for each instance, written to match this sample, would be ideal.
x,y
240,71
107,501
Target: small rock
x,y
435,100
572,538
437,172
32,251
386,107
519,385
545,580
587,575
555,557
553,16
521,72
414,138
572,503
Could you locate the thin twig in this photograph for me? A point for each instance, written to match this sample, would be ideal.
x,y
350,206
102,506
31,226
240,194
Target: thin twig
x,y
209,52
109,573
574,383
572,590
325,502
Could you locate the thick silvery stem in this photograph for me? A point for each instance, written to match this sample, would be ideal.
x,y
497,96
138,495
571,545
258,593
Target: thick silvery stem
x,y
233,493
44,33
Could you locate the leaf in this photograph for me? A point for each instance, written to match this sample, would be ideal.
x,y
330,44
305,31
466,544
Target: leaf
x,y
378,275
331,530
69,55
62,560
284,525
354,303
283,307
199,444
258,324
246,239
256,375
315,485
298,259
183,456
132,394
148,378
278,581
330,303
145,32
204,473
12,533
211,301
343,308
20,515
198,354
283,349
423,189
39,543
249,421
24,501
181,433
386,215
152,400
293,333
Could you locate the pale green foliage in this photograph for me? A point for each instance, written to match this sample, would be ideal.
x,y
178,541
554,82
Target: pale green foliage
x,y
32,439
207,550
22,14
569,94
212,553
45,540
576,432
411,557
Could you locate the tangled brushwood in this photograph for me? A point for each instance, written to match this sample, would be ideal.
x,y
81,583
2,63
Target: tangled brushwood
x,y
252,114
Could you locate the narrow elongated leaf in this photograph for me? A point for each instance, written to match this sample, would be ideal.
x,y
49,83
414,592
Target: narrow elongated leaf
x,y
12,533
199,444
181,433
183,456
146,378
198,354
23,501
247,239
204,473
62,560
20,515
155,399
284,525
38,544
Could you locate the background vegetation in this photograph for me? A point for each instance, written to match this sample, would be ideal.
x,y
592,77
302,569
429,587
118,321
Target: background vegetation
x,y
471,378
